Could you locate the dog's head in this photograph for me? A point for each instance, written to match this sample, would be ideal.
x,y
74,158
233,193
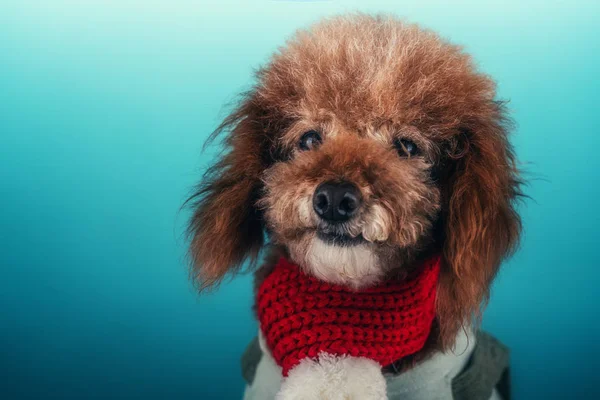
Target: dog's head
x,y
365,144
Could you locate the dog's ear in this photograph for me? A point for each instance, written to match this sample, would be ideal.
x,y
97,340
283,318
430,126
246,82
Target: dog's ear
x,y
226,228
481,225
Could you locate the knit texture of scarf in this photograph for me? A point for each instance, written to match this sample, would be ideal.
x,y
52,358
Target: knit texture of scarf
x,y
301,316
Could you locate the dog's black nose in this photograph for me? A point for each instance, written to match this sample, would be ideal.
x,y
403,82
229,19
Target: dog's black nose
x,y
336,201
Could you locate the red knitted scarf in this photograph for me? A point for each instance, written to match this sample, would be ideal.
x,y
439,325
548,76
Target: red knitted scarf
x,y
301,316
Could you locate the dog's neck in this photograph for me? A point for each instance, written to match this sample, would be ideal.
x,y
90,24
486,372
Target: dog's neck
x,y
300,315
425,370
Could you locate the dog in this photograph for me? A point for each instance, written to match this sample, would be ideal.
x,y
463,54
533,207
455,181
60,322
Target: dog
x,y
366,144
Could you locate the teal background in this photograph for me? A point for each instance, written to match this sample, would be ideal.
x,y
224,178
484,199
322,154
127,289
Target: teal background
x,y
104,106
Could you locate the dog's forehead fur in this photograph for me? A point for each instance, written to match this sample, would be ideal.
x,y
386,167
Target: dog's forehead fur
x,y
364,72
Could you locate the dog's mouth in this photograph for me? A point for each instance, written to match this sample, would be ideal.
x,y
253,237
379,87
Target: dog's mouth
x,y
340,239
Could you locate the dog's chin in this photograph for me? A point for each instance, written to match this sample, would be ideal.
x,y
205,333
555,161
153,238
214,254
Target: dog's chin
x,y
339,259
334,239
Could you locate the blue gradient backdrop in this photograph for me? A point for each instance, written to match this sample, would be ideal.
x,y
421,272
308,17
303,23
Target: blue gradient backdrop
x,y
104,105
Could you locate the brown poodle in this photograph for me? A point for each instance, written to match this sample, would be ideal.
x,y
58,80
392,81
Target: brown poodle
x,y
365,145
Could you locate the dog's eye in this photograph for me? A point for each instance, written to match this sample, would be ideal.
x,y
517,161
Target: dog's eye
x,y
310,140
406,148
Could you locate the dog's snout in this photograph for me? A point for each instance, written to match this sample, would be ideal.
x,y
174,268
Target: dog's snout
x,y
336,201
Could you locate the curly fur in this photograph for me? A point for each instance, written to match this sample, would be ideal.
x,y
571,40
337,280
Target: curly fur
x,y
334,378
364,81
